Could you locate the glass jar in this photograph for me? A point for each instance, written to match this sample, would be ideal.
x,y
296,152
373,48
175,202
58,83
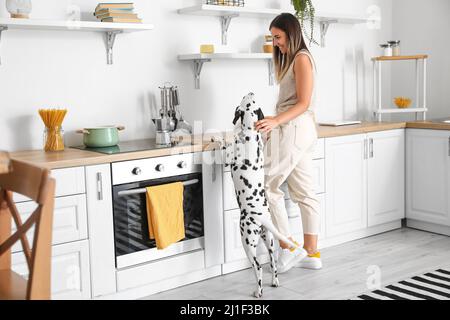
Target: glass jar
x,y
268,44
387,49
53,139
395,47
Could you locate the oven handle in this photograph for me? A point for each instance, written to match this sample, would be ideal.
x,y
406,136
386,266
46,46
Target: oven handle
x,y
144,190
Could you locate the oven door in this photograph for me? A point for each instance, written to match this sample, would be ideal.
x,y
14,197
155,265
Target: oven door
x,y
131,235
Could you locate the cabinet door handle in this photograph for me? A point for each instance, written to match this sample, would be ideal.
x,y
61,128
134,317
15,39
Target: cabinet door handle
x,y
99,186
371,148
449,146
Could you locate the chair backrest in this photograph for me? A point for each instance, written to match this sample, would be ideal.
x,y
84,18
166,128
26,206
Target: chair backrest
x,y
35,183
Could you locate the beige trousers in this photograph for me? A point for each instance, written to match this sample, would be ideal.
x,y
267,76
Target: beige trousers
x,y
289,157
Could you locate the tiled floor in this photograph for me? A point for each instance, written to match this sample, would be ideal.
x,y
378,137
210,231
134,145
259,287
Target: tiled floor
x,y
398,254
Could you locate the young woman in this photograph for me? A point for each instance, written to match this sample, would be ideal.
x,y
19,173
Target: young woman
x,y
291,143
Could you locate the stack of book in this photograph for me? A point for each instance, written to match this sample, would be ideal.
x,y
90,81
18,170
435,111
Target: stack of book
x,y
116,12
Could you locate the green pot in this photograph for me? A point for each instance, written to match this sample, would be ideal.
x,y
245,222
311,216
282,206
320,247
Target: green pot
x,y
100,137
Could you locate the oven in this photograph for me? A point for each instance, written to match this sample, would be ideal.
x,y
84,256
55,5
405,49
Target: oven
x,y
131,235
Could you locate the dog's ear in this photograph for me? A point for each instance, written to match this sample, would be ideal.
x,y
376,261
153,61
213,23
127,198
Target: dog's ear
x,y
238,114
260,114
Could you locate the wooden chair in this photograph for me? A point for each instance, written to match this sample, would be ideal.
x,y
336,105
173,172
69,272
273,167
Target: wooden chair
x,y
36,184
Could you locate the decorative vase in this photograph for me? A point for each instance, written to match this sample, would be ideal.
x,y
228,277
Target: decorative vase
x,y
19,8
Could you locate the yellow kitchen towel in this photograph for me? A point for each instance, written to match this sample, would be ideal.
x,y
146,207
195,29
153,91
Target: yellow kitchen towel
x,y
165,213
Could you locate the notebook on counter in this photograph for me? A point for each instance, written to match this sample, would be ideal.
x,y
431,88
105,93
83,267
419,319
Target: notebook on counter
x,y
339,123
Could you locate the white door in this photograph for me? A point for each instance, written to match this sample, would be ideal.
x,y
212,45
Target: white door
x,y
101,233
428,176
386,170
346,184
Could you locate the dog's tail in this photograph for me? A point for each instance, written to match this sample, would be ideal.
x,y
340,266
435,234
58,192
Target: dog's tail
x,y
268,224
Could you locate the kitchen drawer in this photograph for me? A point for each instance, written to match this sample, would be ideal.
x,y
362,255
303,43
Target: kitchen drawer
x,y
233,244
70,275
69,220
295,222
320,149
319,153
160,270
318,176
69,181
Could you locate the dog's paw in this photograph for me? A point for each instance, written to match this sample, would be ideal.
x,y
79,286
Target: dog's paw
x,y
257,294
275,283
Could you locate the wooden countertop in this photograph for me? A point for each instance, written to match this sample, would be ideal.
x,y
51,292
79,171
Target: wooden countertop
x,y
73,157
4,162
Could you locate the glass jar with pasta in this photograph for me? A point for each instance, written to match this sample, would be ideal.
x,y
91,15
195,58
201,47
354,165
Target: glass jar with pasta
x,y
53,132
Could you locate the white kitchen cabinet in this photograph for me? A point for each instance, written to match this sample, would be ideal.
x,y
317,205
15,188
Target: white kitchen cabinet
x,y
346,184
428,176
365,181
70,276
386,170
101,232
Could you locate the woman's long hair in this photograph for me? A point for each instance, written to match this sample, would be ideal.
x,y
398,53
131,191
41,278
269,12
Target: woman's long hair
x,y
295,42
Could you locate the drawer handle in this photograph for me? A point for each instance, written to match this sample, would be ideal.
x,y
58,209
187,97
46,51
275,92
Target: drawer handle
x,y
99,186
371,148
365,149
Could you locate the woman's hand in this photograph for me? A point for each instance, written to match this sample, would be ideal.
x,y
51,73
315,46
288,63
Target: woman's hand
x,y
267,124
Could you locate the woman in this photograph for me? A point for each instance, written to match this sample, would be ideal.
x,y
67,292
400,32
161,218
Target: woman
x,y
293,136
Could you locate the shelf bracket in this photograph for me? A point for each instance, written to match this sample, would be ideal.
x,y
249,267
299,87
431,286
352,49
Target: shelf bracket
x,y
225,24
271,72
110,39
2,28
324,25
198,65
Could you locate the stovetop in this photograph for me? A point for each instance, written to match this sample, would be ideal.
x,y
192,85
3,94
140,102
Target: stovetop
x,y
126,146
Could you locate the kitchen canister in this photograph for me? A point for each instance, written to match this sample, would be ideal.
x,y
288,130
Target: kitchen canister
x,y
387,49
395,45
19,8
268,44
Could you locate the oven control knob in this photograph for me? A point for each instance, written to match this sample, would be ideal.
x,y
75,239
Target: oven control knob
x,y
182,165
160,168
136,171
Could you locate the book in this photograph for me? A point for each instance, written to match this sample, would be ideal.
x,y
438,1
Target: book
x,y
107,10
114,6
123,20
118,15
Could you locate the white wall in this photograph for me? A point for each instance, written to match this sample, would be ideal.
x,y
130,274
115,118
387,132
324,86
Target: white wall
x,y
43,69
423,29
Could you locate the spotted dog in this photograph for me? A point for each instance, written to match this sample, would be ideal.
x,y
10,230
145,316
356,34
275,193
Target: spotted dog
x,y
245,156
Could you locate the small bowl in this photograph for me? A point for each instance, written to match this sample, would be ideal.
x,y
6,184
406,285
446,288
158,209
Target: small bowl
x,y
402,102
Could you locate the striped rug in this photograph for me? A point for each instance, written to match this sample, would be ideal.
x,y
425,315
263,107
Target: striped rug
x,y
429,286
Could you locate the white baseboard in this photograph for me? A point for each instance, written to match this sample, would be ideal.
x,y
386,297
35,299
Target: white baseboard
x,y
426,226
164,285
359,234
242,264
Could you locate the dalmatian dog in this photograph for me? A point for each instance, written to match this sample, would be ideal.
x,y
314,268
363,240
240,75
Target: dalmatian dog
x,y
246,158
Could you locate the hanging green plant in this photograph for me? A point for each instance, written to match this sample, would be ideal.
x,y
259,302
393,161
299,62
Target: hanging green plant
x,y
304,11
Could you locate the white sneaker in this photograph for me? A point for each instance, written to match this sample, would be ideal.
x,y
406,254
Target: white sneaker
x,y
288,258
311,261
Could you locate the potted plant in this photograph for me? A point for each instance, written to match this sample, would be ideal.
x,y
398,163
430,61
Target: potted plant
x,y
304,11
